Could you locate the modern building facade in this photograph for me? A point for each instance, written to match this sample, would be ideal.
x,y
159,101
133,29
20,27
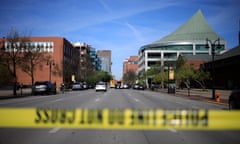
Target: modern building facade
x,y
188,40
130,64
96,61
106,60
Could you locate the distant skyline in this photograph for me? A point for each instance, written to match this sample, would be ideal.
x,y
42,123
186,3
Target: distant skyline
x,y
122,26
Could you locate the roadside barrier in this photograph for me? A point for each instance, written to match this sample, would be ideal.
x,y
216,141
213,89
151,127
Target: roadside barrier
x,y
131,119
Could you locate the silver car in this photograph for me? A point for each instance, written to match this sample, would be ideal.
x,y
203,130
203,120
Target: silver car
x,y
101,86
77,86
44,87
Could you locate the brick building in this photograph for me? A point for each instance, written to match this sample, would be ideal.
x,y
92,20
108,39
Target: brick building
x,y
130,64
62,63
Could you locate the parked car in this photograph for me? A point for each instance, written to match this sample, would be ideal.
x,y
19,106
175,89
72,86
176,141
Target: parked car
x,y
101,86
141,87
117,85
77,86
234,99
91,86
126,86
85,85
44,87
138,87
135,86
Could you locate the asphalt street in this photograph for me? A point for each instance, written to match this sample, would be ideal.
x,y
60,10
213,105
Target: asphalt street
x,y
112,99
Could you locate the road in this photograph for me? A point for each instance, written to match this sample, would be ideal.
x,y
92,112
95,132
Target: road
x,y
112,99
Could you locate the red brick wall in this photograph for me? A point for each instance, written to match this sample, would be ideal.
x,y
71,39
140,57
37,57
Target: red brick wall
x,y
195,63
42,74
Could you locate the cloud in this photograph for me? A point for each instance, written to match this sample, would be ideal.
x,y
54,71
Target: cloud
x,y
105,6
116,11
136,32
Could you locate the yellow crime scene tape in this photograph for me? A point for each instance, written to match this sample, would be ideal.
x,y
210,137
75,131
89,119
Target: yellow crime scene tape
x,y
129,119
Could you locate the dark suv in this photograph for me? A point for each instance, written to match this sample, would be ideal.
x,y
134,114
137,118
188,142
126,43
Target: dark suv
x,y
234,100
44,87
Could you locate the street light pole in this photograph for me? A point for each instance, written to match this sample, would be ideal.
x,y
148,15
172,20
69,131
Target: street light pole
x,y
213,45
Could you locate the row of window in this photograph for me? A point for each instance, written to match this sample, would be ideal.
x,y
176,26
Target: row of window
x,y
26,46
166,55
29,44
199,47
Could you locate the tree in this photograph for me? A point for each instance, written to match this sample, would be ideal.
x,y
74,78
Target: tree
x,y
185,74
129,77
69,68
103,76
11,55
86,68
180,62
33,57
4,74
161,77
157,74
200,77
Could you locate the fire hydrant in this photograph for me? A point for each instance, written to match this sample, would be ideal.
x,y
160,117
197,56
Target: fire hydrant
x,y
217,95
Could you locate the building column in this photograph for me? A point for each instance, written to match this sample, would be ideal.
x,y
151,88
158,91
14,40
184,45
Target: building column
x,y
146,60
146,66
194,49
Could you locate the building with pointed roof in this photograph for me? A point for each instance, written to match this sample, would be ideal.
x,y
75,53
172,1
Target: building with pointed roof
x,y
195,29
188,40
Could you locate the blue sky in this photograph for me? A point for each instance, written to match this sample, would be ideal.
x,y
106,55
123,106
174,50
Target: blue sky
x,y
122,26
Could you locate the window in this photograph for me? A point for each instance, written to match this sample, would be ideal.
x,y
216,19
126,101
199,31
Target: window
x,y
154,55
180,47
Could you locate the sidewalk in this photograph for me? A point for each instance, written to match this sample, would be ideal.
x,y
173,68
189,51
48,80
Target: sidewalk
x,y
203,95
8,93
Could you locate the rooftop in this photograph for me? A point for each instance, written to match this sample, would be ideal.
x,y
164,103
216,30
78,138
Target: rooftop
x,y
196,28
230,53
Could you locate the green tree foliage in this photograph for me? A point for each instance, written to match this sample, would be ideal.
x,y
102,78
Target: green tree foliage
x,y
129,77
157,74
180,61
201,76
186,73
99,76
161,77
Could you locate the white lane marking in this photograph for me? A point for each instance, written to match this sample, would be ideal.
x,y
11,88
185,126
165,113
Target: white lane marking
x,y
97,99
172,130
54,130
57,100
136,100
